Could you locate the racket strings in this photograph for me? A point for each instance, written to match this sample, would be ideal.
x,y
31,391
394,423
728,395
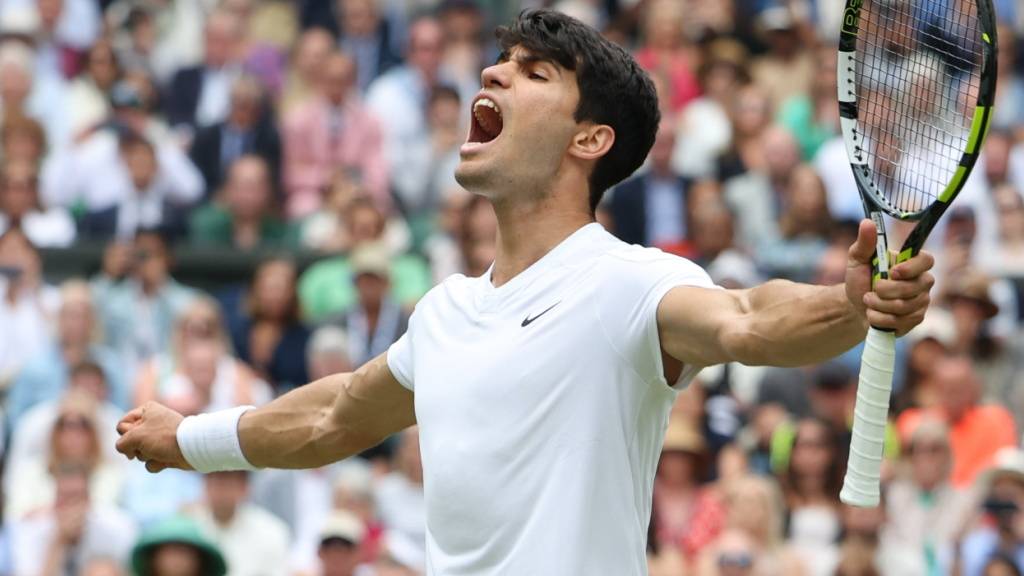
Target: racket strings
x,y
917,75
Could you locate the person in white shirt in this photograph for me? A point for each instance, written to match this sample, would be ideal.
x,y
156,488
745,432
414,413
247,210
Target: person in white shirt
x,y
254,542
543,387
20,206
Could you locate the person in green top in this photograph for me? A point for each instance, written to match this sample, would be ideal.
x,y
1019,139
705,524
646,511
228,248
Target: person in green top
x,y
176,547
243,219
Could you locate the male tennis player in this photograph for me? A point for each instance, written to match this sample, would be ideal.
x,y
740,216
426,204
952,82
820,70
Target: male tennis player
x,y
542,389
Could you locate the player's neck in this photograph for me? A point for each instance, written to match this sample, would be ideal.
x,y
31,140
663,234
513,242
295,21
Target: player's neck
x,y
528,231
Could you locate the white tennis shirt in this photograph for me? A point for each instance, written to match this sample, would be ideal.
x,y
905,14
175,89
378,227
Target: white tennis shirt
x,y
542,407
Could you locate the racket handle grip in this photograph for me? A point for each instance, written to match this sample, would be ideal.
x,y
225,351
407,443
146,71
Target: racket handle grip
x,y
861,487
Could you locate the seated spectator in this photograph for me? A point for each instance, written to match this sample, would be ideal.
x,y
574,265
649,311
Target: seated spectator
x,y
20,206
47,373
197,373
687,517
812,117
811,484
926,514
305,72
266,331
327,352
1002,490
199,96
253,541
177,547
650,209
478,238
787,68
31,436
22,140
24,91
150,201
340,541
977,432
243,219
28,306
329,229
330,131
71,532
400,556
399,494
137,314
100,175
363,33
89,93
666,51
326,289
248,130
376,321
75,440
803,230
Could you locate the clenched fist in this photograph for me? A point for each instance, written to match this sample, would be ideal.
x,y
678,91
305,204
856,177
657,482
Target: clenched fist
x,y
149,433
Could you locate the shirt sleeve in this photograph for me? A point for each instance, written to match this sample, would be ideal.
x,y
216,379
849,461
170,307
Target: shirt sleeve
x,y
628,306
400,359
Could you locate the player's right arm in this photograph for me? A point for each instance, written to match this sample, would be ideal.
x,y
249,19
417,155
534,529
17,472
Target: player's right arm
x,y
322,422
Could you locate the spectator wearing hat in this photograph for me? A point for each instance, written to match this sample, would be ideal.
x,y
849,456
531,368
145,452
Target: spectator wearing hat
x,y
243,219
63,537
686,516
254,542
926,515
1002,487
977,431
176,547
787,69
248,130
20,206
340,540
376,321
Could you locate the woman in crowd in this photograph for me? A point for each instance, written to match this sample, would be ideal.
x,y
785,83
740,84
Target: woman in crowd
x,y
28,306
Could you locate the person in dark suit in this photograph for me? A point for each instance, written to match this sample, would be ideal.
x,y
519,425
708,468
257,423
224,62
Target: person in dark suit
x,y
361,31
199,95
248,131
650,209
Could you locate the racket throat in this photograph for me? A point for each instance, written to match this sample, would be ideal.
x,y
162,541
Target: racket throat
x,y
881,248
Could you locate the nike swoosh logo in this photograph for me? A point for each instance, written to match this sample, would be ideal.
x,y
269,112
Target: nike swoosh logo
x,y
528,320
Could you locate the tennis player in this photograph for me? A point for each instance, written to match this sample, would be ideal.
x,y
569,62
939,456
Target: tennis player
x,y
542,388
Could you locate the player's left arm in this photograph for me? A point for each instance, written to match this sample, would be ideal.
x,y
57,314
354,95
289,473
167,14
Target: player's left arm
x,y
782,323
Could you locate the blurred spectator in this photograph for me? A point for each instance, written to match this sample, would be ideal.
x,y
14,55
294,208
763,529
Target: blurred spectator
x,y
813,116
28,306
687,516
650,209
75,440
328,229
479,236
703,129
1002,488
60,540
750,115
67,26
340,540
176,547
243,220
330,131
20,207
442,247
305,73
47,373
197,373
928,343
468,49
977,432
248,130
926,514
376,321
420,185
399,495
787,69
26,93
266,331
326,288
811,483
666,53
253,541
88,96
1010,88
400,556
138,312
200,96
31,436
367,37
22,140
1007,257
804,226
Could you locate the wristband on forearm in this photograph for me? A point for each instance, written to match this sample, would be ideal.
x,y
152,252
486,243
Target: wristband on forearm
x,y
209,442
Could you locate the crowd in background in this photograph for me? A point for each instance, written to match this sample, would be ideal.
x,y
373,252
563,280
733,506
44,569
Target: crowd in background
x,y
332,127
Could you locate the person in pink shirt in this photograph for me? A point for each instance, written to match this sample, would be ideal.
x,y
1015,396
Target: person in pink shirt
x,y
330,131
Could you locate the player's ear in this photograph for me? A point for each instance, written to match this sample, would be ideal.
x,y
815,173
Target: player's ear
x,y
592,141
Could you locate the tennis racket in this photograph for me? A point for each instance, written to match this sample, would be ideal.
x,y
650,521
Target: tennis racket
x,y
916,83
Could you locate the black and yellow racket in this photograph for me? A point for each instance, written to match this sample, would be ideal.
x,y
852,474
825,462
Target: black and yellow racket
x,y
917,79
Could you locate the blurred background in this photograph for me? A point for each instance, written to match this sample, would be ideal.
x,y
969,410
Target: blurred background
x,y
211,202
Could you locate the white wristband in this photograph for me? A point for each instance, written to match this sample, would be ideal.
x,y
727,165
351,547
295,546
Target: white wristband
x,y
209,442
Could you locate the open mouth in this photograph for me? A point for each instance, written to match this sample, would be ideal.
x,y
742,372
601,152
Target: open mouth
x,y
487,123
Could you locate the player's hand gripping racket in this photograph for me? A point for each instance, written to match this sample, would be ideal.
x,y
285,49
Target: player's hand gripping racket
x,y
916,84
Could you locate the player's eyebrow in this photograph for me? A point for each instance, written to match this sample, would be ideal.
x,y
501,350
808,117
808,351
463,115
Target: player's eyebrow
x,y
524,58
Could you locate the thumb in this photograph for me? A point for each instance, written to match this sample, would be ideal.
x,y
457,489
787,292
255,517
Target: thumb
x,y
863,250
